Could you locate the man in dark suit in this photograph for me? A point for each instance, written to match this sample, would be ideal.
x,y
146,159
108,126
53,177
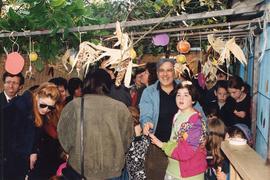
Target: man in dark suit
x,y
12,85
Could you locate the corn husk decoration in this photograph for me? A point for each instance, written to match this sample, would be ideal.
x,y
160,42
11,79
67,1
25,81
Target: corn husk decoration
x,y
209,69
120,59
225,48
69,59
179,69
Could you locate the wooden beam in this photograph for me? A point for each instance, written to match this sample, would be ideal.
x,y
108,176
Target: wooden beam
x,y
185,17
246,161
202,34
247,22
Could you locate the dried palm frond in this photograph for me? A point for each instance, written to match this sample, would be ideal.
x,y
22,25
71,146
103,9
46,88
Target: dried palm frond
x,y
209,69
236,51
225,48
217,43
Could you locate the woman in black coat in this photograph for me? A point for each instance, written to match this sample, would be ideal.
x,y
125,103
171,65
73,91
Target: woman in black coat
x,y
24,122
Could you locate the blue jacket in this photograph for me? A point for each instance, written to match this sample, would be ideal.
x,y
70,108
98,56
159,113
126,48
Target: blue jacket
x,y
149,105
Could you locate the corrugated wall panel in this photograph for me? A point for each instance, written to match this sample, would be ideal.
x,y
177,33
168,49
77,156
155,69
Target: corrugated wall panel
x,y
263,103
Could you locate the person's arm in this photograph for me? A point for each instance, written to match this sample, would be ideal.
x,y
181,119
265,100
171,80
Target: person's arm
x,y
146,112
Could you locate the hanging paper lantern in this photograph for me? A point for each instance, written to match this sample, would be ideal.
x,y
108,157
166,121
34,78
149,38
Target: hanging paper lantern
x,y
161,39
14,63
33,56
181,58
183,46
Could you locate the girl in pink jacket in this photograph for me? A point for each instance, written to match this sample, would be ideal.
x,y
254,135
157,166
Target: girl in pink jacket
x,y
186,147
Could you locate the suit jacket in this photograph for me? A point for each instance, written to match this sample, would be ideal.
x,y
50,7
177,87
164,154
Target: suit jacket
x,y
3,102
3,99
18,135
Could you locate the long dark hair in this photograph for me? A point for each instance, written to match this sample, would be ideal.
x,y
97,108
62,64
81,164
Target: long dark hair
x,y
97,82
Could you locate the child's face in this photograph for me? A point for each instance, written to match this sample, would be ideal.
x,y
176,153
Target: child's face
x,y
183,99
235,93
221,94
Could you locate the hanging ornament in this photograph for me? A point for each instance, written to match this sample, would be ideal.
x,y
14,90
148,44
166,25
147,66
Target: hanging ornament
x,y
183,46
33,56
161,39
181,58
14,63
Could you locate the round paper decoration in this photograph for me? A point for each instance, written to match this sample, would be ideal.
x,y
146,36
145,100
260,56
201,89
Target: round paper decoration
x,y
181,58
14,63
183,46
161,39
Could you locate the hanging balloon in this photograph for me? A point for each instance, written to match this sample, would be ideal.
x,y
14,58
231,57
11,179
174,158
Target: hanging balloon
x,y
161,39
33,56
183,46
14,63
181,58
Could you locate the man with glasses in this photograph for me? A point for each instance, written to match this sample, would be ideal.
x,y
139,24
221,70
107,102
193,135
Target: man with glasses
x,y
157,108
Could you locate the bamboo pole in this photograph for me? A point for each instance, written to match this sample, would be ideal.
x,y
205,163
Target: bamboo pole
x,y
185,17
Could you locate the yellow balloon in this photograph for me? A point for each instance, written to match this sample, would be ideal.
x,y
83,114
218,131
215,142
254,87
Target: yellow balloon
x,y
33,56
181,58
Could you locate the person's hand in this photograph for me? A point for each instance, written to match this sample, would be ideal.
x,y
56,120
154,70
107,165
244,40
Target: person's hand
x,y
155,140
147,127
138,130
33,159
240,114
220,174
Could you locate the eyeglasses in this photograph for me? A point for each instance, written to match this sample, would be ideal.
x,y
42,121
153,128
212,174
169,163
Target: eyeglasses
x,y
165,70
46,105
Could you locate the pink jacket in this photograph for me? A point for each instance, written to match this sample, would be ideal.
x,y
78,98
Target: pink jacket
x,y
190,152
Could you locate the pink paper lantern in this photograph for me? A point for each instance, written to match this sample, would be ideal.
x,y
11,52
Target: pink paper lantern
x,y
14,63
161,39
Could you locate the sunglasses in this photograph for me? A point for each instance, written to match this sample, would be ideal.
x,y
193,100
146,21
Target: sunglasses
x,y
46,105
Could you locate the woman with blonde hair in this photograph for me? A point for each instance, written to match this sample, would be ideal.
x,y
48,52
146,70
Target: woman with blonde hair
x,y
30,131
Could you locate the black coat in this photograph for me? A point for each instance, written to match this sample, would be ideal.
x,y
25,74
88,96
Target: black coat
x,y
18,135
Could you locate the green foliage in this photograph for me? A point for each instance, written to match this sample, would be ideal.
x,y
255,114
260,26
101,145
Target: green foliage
x,y
53,15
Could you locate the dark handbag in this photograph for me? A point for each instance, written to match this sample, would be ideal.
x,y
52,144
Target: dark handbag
x,y
69,173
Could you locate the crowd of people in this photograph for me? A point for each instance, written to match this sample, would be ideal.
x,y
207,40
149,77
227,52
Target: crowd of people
x,y
159,128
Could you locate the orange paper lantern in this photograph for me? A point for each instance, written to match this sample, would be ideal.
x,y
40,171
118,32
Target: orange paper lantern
x,y
183,46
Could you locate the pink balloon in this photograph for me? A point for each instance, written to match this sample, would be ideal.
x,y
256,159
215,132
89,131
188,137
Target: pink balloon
x,y
14,63
161,39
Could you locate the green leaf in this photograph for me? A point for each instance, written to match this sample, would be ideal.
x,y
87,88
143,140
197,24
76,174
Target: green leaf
x,y
38,65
